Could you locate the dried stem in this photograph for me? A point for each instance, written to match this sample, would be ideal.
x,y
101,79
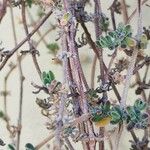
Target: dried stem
x,y
31,47
46,140
93,71
130,68
69,144
134,12
124,10
25,39
98,32
21,83
132,62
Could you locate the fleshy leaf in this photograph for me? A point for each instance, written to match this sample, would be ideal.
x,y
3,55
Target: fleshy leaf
x,y
115,115
114,121
29,146
51,74
97,118
46,81
131,42
44,75
1,114
144,39
106,106
139,104
11,147
29,2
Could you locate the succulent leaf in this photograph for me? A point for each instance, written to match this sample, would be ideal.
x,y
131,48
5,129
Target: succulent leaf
x,y
139,104
131,42
29,146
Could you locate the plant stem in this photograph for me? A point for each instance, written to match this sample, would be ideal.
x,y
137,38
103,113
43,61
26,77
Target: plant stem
x,y
21,83
93,71
46,140
25,39
134,12
32,49
132,62
98,32
124,10
69,144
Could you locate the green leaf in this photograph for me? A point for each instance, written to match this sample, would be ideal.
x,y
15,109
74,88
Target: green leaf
x,y
29,146
103,42
40,13
117,109
128,28
47,78
109,40
97,118
144,39
53,48
112,34
98,43
123,44
51,75
11,147
46,81
115,115
67,16
106,107
130,110
131,113
130,42
29,2
44,75
104,23
1,114
139,104
114,121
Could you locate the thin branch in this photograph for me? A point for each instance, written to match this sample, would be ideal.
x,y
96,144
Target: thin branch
x,y
132,62
3,8
93,71
25,39
21,82
46,140
69,144
32,49
124,11
134,12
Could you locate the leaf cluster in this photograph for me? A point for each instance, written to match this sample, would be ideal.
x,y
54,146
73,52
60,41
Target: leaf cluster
x,y
134,116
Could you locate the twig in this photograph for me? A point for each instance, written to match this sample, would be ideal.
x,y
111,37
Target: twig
x,y
12,67
34,24
93,71
124,11
53,27
69,144
3,9
32,49
98,32
131,66
46,140
25,39
134,12
21,83
132,63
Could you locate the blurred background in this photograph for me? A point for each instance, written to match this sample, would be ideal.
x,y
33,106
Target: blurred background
x,y
33,123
